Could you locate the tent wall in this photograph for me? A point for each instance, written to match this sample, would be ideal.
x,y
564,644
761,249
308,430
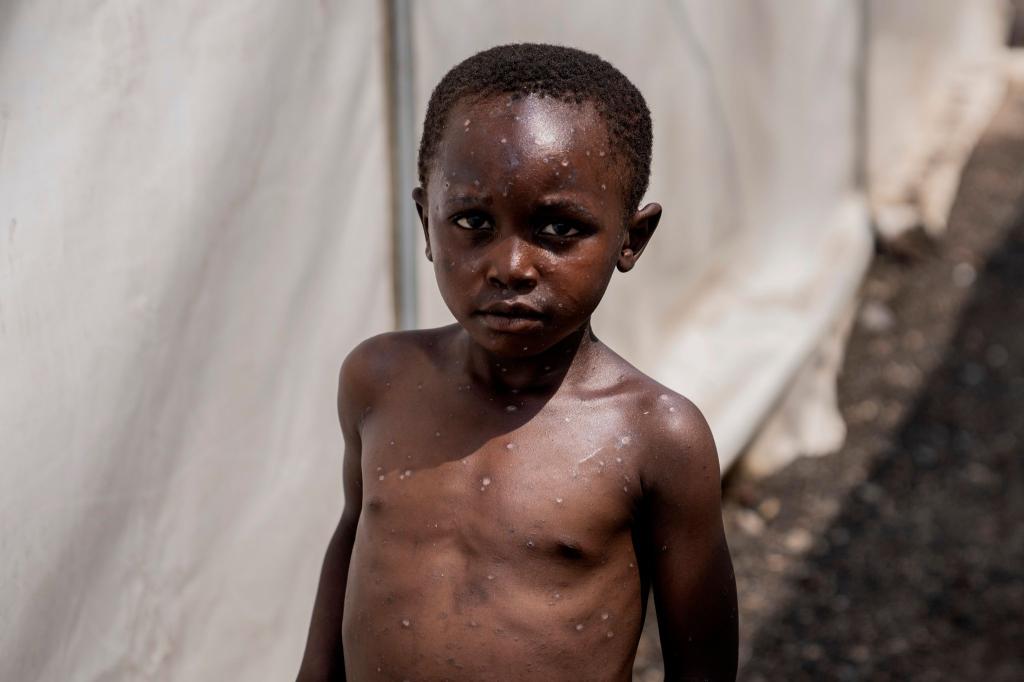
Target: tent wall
x,y
935,81
195,228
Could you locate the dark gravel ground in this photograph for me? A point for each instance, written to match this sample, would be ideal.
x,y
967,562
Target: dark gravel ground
x,y
901,557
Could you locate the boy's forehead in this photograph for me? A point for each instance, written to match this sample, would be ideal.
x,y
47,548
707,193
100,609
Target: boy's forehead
x,y
512,132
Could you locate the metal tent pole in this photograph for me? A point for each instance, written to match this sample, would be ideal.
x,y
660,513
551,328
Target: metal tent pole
x,y
405,226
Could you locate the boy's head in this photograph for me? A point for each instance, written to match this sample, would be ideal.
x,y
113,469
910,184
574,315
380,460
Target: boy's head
x,y
532,164
565,73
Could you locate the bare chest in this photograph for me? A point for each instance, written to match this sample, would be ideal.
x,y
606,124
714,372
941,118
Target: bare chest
x,y
552,485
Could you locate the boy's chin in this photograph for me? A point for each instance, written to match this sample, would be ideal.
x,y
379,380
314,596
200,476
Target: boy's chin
x,y
514,341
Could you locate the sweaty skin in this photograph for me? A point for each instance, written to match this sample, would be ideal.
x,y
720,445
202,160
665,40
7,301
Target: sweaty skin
x,y
513,488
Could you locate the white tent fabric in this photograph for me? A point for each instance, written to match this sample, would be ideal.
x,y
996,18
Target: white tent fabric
x,y
196,227
195,231
935,81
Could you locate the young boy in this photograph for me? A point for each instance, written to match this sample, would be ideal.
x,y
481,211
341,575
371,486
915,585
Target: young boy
x,y
513,488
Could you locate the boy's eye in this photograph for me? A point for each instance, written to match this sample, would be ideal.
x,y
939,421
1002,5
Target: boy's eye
x,y
473,222
559,230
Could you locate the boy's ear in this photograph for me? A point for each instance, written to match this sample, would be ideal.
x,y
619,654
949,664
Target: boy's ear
x,y
419,195
638,232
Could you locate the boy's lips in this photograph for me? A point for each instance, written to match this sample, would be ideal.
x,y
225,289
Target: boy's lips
x,y
511,317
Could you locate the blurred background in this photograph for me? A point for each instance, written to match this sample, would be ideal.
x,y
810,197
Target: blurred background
x,y
204,206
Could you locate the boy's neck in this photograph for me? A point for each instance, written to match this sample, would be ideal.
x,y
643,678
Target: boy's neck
x,y
536,374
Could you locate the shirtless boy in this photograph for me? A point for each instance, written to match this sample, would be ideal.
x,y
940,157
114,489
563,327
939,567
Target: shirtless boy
x,y
513,488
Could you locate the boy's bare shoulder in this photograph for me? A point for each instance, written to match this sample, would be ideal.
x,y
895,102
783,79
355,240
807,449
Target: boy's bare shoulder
x,y
374,363
672,433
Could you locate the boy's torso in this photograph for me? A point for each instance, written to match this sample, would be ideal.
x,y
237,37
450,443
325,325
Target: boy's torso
x,y
496,537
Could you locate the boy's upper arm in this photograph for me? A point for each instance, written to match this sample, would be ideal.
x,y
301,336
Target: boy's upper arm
x,y
356,382
684,542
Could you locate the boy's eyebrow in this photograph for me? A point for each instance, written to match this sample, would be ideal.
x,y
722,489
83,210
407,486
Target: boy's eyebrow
x,y
469,199
566,205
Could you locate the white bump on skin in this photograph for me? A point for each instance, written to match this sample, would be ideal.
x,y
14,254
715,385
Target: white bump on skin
x,y
509,446
610,634
579,627
511,408
604,616
565,162
558,500
486,481
406,623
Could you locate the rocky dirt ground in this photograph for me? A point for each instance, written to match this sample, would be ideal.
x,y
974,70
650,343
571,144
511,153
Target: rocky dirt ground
x,y
901,557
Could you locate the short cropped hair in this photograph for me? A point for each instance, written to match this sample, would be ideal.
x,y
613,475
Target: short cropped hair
x,y
551,71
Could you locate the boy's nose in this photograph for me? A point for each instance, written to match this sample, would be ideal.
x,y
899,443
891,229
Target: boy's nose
x,y
510,265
